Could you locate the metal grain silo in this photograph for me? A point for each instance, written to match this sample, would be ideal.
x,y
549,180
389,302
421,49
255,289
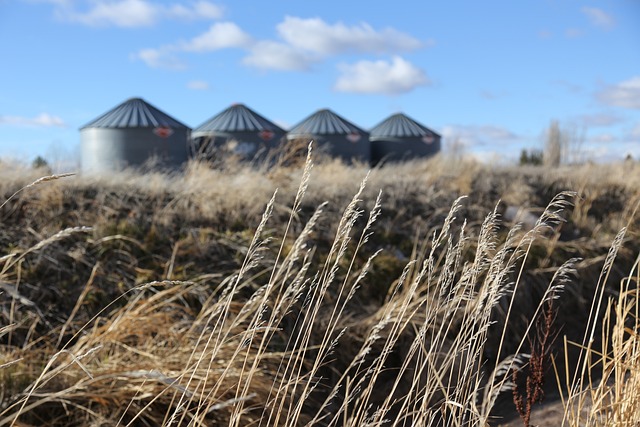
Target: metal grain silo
x,y
334,135
238,130
399,137
131,134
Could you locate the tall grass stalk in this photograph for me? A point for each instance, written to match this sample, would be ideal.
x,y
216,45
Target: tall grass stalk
x,y
287,340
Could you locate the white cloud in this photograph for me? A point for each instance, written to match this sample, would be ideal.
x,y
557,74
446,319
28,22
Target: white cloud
x,y
316,36
120,13
60,3
220,35
270,55
198,85
601,153
45,119
494,157
599,120
134,13
479,135
599,17
307,41
486,143
41,120
390,78
199,10
160,58
603,138
304,43
625,94
611,146
497,133
610,151
629,149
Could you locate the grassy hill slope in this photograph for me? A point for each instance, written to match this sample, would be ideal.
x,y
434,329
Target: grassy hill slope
x,y
410,293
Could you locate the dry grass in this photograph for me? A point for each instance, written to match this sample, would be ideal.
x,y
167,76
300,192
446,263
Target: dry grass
x,y
604,390
206,299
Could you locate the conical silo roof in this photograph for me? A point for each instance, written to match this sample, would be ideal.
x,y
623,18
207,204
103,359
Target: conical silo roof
x,y
324,122
135,113
238,118
400,126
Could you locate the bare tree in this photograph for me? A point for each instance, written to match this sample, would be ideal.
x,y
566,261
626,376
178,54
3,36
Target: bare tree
x,y
563,145
553,145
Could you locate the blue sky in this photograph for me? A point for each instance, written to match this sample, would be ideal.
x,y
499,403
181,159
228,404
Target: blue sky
x,y
489,75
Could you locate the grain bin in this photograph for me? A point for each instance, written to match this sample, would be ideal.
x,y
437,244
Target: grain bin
x,y
333,135
399,137
130,135
238,130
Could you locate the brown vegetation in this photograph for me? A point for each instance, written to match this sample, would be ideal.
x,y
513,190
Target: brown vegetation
x,y
204,298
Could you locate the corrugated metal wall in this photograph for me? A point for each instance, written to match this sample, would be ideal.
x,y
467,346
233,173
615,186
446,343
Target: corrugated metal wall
x,y
105,150
397,149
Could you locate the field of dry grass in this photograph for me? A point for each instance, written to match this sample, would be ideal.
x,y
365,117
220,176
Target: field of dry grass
x,y
433,293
